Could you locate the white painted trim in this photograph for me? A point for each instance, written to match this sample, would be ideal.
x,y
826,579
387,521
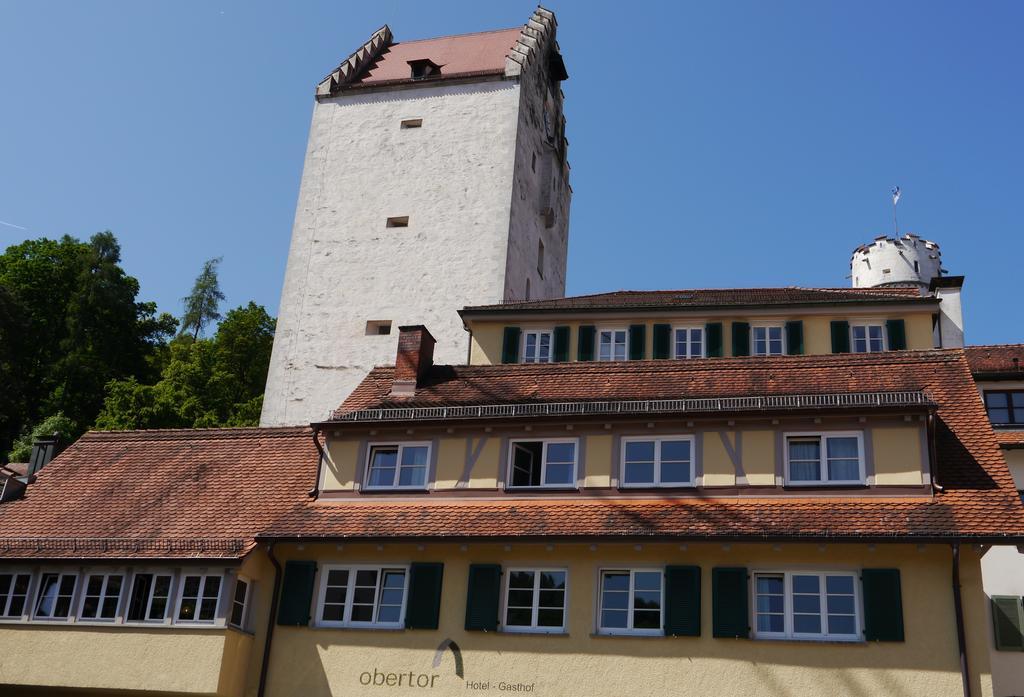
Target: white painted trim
x,y
869,322
629,630
533,628
537,332
787,596
401,446
657,440
105,574
781,326
346,621
28,606
688,328
597,344
823,457
240,578
60,572
573,484
204,576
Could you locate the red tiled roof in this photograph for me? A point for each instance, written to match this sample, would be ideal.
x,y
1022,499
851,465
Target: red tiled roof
x,y
19,469
1010,439
663,379
201,493
1006,359
465,54
710,297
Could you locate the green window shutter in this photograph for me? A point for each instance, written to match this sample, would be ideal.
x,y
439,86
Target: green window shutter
x,y
423,606
713,339
795,338
637,342
730,617
840,336
661,343
897,331
740,339
883,605
296,593
561,349
585,347
483,597
1008,622
510,345
682,600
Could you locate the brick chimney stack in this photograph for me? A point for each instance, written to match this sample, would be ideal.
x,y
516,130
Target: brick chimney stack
x,y
415,357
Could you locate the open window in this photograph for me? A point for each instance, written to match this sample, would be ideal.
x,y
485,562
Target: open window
x,y
542,463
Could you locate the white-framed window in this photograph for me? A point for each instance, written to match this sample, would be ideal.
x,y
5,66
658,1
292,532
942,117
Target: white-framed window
x,y
198,598
631,602
612,345
397,465
807,605
537,346
101,596
535,600
688,342
239,614
55,594
14,588
825,458
767,340
362,596
150,596
867,338
662,461
542,463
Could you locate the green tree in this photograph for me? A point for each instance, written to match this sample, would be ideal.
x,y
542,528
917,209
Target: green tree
x,y
58,424
202,305
205,383
70,322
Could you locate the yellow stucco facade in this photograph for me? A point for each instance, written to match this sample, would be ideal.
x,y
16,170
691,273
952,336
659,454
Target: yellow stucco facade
x,y
745,452
486,336
319,661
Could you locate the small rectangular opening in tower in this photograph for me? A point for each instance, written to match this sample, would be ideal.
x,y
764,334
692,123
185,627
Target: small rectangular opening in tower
x,y
378,327
412,123
398,221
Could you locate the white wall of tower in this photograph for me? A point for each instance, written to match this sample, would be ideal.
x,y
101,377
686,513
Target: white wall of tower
x,y
453,177
889,261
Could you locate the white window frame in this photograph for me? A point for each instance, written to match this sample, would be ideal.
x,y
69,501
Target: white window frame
x,y
657,440
170,611
401,445
787,596
629,630
823,436
84,593
60,572
28,608
766,326
611,356
239,578
352,569
205,575
533,628
544,463
689,328
867,324
537,333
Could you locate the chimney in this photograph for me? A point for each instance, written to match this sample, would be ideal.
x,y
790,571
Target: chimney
x,y
415,357
951,314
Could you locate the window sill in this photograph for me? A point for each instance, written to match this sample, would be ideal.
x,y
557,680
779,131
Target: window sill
x,y
533,633
394,490
625,635
786,640
67,624
350,628
654,487
541,489
818,486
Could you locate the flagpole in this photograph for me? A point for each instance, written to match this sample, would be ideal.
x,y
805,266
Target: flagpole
x,y
895,224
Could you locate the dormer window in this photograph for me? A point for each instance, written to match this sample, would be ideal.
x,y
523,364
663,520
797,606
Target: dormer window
x,y
424,68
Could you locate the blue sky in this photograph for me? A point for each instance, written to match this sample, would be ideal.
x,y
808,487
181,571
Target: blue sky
x,y
712,144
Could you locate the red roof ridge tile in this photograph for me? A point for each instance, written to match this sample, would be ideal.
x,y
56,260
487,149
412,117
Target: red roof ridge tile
x,y
194,433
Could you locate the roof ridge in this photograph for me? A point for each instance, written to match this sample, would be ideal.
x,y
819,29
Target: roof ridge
x,y
987,346
194,433
518,27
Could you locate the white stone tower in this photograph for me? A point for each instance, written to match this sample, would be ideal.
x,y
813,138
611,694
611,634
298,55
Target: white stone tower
x,y
435,177
896,261
913,261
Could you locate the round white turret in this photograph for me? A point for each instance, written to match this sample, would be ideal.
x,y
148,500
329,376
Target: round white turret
x,y
891,261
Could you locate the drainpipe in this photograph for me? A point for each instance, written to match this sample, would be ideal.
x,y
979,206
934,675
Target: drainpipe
x,y
958,609
265,662
315,491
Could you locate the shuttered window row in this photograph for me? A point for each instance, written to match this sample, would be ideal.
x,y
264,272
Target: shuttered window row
x,y
795,605
624,342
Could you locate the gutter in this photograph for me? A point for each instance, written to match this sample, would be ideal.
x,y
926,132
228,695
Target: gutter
x,y
315,491
275,594
958,609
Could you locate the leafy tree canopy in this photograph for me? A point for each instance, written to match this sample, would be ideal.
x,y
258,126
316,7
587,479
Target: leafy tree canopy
x,y
58,424
205,383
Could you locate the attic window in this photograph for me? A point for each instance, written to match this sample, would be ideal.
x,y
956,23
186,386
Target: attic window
x,y
398,221
424,68
378,327
412,123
